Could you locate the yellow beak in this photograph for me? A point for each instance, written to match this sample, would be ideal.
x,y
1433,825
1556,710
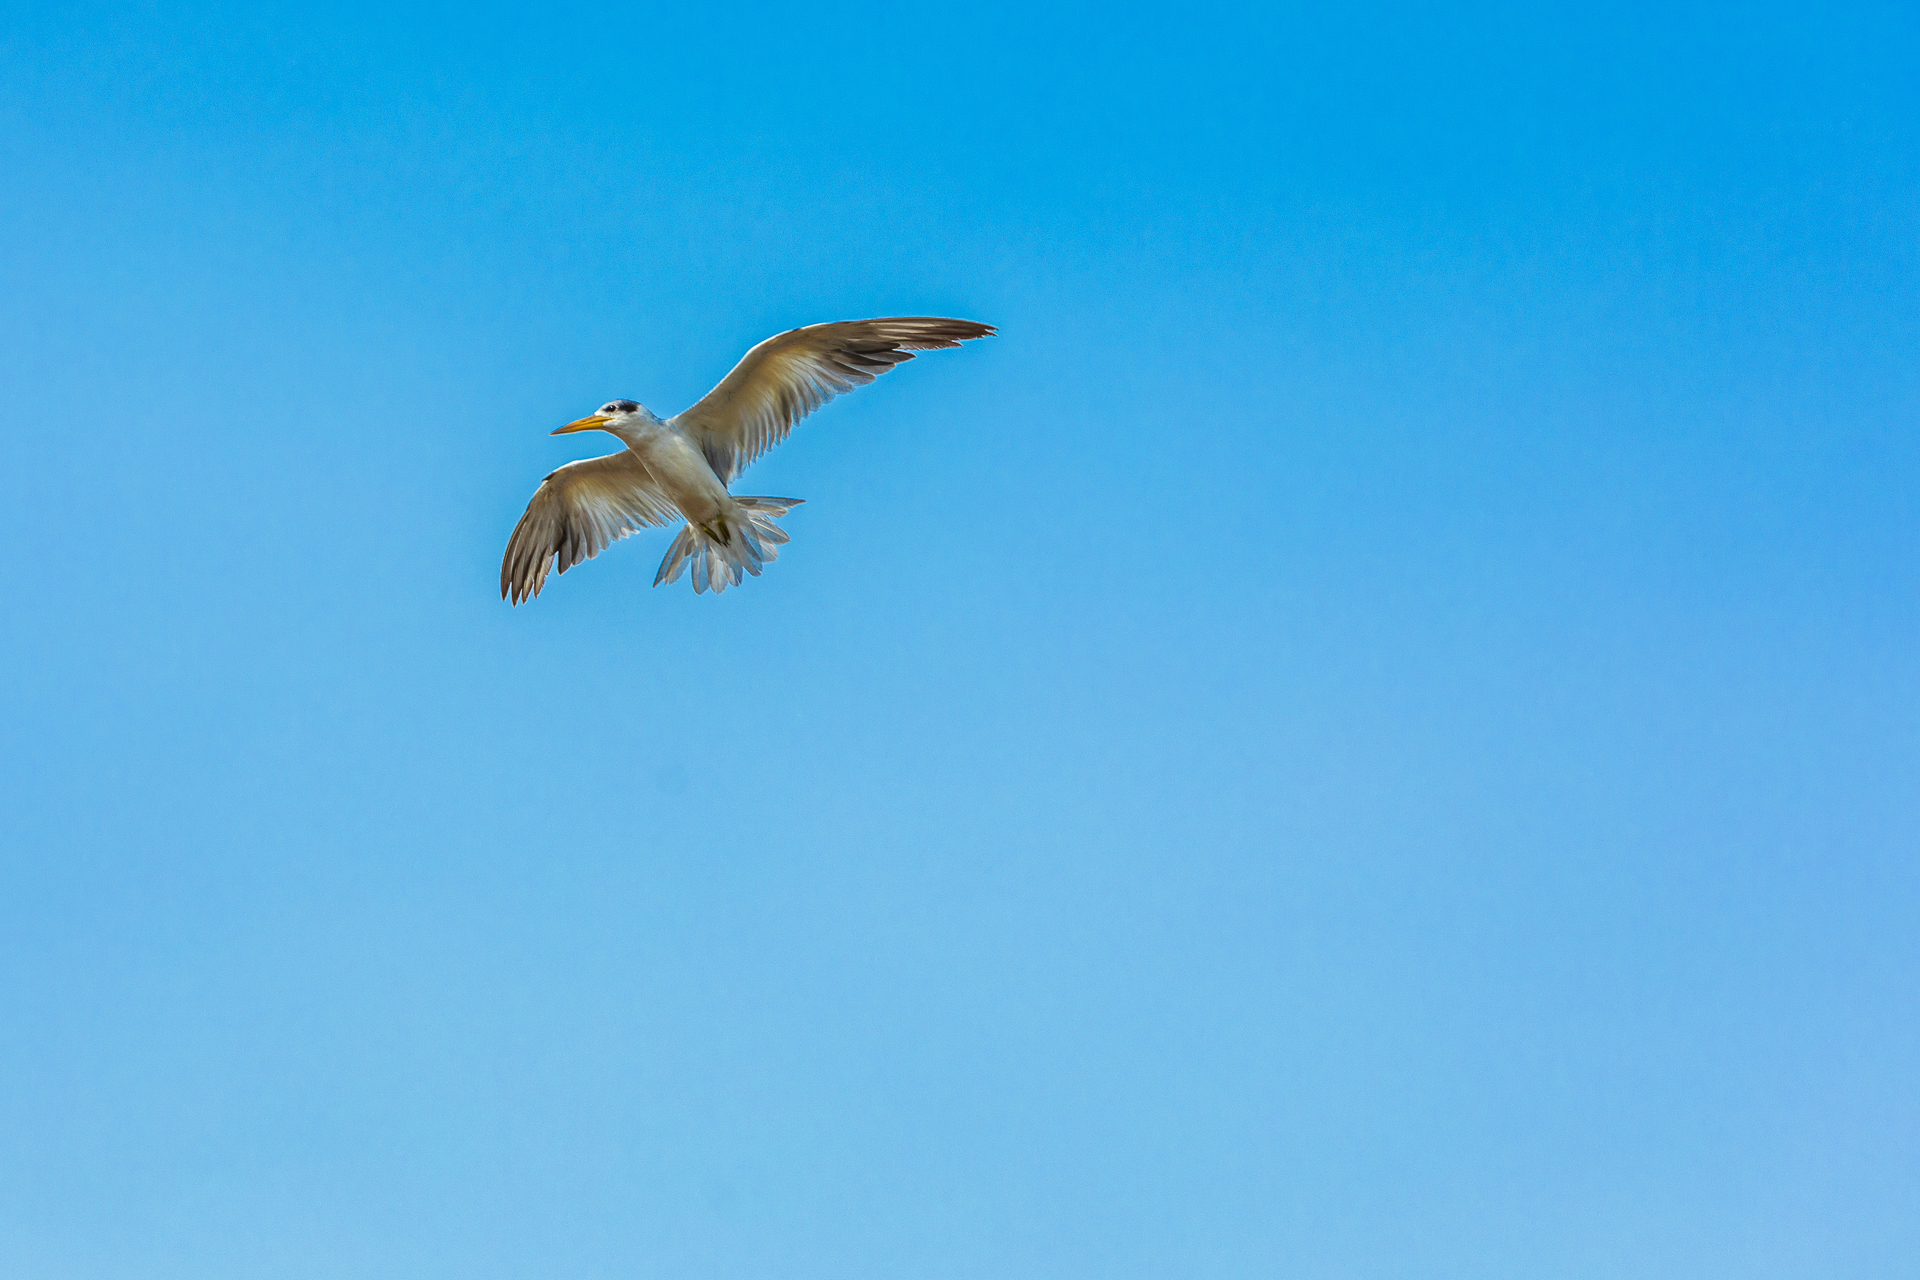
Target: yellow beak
x,y
587,423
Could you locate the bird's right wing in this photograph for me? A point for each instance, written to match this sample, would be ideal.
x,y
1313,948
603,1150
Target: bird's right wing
x,y
576,513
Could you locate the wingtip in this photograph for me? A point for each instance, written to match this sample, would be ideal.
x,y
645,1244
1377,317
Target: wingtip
x,y
977,328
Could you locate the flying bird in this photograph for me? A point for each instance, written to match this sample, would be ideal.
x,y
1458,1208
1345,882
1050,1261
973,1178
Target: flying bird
x,y
679,468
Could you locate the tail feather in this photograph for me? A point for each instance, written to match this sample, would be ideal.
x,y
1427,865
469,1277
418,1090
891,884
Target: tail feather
x,y
721,551
676,562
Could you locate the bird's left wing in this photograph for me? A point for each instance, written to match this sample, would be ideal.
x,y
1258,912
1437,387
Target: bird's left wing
x,y
575,513
791,374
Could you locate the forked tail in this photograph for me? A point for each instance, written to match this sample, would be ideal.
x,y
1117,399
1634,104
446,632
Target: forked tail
x,y
723,549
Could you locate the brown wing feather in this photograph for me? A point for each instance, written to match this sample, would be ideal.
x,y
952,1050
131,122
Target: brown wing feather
x,y
575,514
791,374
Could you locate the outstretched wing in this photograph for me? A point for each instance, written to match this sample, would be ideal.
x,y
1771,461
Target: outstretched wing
x,y
575,513
790,375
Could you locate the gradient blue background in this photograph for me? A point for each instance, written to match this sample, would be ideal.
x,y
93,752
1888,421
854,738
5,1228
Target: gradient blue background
x,y
1371,734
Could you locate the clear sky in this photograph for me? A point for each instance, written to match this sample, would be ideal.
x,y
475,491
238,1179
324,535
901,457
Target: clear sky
x,y
1372,733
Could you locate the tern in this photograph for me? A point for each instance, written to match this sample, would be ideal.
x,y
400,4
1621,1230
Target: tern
x,y
679,468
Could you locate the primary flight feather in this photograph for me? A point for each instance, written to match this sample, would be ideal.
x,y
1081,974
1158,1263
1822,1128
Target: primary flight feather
x,y
679,468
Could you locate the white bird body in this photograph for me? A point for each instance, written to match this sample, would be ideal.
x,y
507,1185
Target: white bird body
x,y
676,464
680,467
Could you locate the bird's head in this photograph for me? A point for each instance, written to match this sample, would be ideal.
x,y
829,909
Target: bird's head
x,y
610,416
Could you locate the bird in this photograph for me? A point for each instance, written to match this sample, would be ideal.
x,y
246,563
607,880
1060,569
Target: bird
x,y
679,468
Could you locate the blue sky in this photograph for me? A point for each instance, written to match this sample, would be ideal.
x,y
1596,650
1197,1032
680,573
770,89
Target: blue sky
x,y
1371,733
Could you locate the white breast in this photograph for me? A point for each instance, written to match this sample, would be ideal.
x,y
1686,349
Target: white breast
x,y
682,470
